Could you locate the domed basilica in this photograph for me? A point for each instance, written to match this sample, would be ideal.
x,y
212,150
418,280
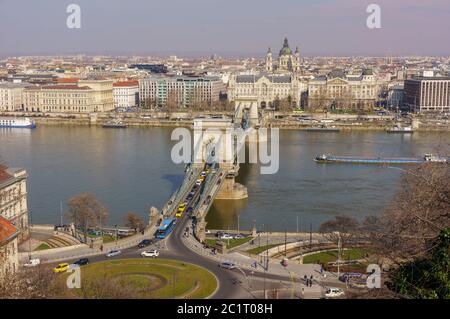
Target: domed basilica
x,y
287,61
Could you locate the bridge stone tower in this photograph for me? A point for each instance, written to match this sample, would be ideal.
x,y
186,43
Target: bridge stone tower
x,y
213,144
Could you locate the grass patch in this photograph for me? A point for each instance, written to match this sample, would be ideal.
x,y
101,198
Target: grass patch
x,y
332,255
260,249
42,246
108,239
143,278
231,243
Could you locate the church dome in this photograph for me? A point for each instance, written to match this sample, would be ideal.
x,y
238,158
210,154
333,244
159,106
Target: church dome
x,y
285,50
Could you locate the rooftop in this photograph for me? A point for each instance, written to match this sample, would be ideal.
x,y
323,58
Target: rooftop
x,y
65,87
7,230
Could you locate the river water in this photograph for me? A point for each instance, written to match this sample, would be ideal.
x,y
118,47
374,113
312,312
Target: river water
x,y
131,170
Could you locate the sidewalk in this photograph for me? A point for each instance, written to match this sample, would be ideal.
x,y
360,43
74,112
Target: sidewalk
x,y
293,270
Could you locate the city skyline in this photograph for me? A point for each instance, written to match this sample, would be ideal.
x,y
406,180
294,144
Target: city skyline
x,y
325,28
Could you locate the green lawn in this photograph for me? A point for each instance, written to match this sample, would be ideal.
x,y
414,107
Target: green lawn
x,y
143,278
260,249
42,246
231,243
331,256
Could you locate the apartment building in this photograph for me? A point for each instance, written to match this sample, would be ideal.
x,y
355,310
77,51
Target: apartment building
x,y
11,96
180,91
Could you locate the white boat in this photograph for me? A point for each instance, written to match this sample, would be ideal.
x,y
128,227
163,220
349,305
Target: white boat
x,y
399,129
9,122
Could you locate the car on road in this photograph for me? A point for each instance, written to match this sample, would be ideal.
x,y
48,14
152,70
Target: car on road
x,y
189,211
201,178
151,253
239,236
203,174
33,262
219,234
226,236
190,196
334,292
198,182
61,268
82,262
182,207
227,265
113,253
145,243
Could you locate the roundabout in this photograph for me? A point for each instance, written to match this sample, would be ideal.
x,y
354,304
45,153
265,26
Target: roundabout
x,y
144,278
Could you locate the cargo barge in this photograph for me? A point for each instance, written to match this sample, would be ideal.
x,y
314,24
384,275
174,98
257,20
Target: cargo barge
x,y
380,160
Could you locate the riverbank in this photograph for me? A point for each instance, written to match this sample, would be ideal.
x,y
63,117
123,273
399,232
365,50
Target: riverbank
x,y
281,120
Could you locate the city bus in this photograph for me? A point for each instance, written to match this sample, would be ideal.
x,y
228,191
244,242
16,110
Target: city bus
x,y
165,228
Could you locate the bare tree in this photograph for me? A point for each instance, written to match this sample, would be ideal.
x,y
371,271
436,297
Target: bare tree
x,y
134,221
419,212
85,211
30,283
343,228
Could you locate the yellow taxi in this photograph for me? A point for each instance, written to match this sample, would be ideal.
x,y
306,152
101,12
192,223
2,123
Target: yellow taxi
x,y
201,178
181,209
61,268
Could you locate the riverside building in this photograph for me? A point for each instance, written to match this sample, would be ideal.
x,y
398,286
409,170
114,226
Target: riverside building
x,y
181,91
427,94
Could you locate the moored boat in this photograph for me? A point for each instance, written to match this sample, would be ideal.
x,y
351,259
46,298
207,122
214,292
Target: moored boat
x,y
116,123
8,122
323,128
399,129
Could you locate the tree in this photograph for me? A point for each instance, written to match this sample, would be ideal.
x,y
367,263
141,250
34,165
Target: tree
x,y
134,221
30,283
413,234
428,276
85,211
342,228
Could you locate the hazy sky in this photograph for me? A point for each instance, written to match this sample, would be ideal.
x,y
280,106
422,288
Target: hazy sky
x,y
231,27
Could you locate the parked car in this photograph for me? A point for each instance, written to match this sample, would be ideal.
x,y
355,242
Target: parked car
x,y
226,236
151,253
33,262
82,262
227,265
61,268
113,253
219,234
145,243
334,292
239,236
189,211
198,182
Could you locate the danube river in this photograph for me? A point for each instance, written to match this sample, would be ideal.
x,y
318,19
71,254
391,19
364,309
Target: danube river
x,y
131,170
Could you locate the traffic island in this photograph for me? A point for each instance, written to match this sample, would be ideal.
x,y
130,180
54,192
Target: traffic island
x,y
143,279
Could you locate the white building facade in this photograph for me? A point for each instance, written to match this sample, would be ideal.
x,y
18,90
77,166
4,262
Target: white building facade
x,y
126,94
265,88
13,198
